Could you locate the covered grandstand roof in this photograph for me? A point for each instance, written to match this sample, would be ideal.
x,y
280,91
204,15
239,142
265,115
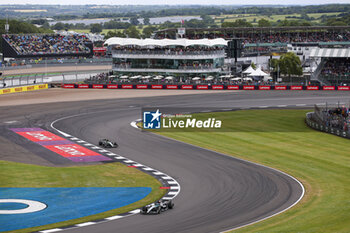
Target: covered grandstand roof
x,y
330,52
266,29
164,42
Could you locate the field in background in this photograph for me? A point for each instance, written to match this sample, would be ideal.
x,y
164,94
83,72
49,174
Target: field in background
x,y
281,139
254,18
107,175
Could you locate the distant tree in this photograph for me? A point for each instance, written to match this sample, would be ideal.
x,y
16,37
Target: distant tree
x,y
46,25
290,64
336,22
305,23
253,65
38,21
132,32
283,23
207,19
134,21
114,34
96,28
147,31
58,26
146,21
237,23
304,16
274,64
264,23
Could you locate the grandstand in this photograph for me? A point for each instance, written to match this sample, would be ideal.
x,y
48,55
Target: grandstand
x,y
46,45
172,58
266,40
333,65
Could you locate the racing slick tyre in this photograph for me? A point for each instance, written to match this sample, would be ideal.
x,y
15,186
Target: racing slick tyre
x,y
170,205
143,210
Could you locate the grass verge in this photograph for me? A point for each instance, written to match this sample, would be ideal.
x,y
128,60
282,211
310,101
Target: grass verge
x,y
107,175
280,139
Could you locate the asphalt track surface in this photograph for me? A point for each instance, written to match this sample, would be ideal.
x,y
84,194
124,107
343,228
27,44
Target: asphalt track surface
x,y
218,192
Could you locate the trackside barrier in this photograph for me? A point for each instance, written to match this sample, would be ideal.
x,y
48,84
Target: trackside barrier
x,y
217,87
172,86
112,86
327,129
312,88
328,88
97,86
23,89
140,86
203,87
296,87
187,87
157,86
343,88
264,87
280,88
248,87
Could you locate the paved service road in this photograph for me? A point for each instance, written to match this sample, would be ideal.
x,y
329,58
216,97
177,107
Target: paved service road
x,y
218,192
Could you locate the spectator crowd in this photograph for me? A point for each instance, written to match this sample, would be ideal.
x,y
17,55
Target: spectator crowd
x,y
336,117
336,67
178,50
45,44
273,37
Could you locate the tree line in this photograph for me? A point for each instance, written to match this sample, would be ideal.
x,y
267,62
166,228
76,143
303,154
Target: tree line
x,y
219,10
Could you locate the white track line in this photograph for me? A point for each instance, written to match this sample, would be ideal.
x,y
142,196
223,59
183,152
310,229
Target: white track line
x,y
301,185
168,196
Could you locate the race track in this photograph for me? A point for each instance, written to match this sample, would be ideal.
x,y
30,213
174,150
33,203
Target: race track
x,y
218,192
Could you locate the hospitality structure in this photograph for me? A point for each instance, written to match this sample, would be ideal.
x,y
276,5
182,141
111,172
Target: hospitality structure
x,y
181,58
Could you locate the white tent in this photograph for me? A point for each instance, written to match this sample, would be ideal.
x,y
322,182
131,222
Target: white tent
x,y
226,76
146,77
169,78
135,77
196,78
257,73
248,70
124,77
209,78
158,77
236,79
247,79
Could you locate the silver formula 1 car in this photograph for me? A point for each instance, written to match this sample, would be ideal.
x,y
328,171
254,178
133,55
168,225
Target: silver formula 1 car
x,y
107,143
157,207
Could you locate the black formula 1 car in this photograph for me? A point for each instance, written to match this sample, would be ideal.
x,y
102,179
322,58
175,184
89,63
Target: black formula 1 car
x,y
157,207
107,143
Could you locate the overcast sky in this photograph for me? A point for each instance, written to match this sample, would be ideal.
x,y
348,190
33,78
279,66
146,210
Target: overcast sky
x,y
172,2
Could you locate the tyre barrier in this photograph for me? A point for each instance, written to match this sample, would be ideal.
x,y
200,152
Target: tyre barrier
x,y
204,87
18,89
324,128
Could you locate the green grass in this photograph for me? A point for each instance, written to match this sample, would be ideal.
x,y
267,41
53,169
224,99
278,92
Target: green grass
x,y
108,175
272,18
320,161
